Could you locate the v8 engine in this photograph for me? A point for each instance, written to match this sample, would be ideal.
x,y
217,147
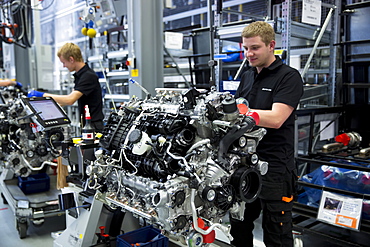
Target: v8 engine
x,y
181,160
25,149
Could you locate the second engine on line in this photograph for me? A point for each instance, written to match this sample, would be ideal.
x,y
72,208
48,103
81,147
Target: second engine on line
x,y
181,160
25,149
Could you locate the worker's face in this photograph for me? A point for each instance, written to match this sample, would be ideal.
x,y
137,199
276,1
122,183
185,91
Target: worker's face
x,y
258,54
68,63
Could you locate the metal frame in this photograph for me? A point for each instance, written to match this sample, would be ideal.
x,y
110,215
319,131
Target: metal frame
x,y
304,218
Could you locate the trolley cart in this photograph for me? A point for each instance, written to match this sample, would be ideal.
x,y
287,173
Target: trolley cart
x,y
31,208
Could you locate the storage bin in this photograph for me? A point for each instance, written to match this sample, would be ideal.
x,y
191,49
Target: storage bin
x,y
147,236
34,183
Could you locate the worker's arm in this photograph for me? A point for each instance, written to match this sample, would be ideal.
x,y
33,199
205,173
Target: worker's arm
x,y
64,100
5,83
8,82
275,117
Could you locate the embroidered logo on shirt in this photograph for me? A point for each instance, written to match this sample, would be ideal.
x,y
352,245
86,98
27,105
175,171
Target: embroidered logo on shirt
x,y
266,89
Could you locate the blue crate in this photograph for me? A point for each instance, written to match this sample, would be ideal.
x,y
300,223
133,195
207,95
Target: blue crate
x,y
34,183
147,236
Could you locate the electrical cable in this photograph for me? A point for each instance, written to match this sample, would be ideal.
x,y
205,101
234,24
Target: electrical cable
x,y
27,22
106,81
16,14
19,14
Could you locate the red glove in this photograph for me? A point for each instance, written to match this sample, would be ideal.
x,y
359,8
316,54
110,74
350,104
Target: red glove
x,y
255,116
243,109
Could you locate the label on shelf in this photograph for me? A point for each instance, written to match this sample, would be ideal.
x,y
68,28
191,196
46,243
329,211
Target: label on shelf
x,y
340,210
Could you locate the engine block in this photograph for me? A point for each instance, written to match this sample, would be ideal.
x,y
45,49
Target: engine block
x,y
181,160
24,149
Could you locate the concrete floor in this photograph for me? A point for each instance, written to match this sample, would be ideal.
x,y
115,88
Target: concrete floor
x,y
37,235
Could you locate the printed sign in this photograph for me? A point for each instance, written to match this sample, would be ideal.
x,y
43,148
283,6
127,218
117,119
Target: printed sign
x,y
311,12
340,210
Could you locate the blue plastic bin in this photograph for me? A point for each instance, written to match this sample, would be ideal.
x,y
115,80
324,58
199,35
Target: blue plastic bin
x,y
34,183
147,236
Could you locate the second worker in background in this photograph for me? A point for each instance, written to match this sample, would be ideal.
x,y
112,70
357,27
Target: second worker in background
x,y
87,89
273,90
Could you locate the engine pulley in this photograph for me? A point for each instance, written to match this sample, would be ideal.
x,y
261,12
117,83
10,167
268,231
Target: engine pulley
x,y
225,197
42,150
209,194
247,183
179,223
178,199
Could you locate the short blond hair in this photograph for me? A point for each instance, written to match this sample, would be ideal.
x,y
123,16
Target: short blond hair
x,y
70,50
259,28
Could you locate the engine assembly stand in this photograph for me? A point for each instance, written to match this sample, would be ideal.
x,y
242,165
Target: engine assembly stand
x,y
81,232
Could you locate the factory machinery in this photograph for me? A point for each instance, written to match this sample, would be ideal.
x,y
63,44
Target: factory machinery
x,y
26,145
181,161
31,133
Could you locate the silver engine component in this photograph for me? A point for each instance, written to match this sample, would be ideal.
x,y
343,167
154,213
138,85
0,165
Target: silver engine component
x,y
180,160
24,150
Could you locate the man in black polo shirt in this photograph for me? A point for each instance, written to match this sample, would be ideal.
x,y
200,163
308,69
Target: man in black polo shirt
x,y
87,89
273,90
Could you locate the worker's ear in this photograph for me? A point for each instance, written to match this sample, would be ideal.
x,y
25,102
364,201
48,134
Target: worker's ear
x,y
272,45
71,59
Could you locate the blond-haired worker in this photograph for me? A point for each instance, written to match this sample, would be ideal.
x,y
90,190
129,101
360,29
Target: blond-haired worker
x,y
87,89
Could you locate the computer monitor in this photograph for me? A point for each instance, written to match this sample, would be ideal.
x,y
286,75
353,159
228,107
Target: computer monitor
x,y
46,111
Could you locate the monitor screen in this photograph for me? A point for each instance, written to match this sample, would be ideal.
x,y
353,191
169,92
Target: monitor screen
x,y
47,112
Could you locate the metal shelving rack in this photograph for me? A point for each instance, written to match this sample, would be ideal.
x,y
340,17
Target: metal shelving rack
x,y
312,156
352,95
356,53
297,38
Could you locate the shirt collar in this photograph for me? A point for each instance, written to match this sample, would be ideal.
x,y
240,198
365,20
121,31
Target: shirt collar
x,y
278,62
82,70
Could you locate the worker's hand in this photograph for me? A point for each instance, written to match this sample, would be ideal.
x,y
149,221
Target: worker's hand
x,y
34,93
18,84
254,115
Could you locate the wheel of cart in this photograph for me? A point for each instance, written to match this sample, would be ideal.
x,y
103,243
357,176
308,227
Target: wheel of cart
x,y
21,226
297,237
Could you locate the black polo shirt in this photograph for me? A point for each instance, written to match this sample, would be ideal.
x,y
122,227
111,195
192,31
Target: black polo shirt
x,y
87,82
277,83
